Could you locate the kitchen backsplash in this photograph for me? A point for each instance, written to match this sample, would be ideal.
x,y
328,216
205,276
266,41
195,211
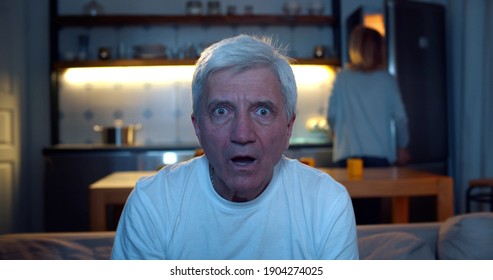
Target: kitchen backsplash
x,y
163,107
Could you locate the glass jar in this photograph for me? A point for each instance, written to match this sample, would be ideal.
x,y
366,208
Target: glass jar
x,y
93,8
214,8
194,7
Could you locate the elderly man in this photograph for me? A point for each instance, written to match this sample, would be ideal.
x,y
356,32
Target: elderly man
x,y
242,199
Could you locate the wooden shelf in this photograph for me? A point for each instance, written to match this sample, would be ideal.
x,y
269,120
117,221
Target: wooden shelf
x,y
182,20
126,20
59,65
122,62
317,61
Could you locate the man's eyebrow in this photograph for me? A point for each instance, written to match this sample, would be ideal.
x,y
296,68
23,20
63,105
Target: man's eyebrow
x,y
215,102
254,103
267,103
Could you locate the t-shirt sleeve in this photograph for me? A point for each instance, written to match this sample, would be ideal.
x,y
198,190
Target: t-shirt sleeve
x,y
339,238
137,234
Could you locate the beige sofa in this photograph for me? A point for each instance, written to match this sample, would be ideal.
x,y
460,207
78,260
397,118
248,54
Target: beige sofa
x,y
461,237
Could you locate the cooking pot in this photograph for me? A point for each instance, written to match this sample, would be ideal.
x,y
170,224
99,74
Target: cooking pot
x,y
118,134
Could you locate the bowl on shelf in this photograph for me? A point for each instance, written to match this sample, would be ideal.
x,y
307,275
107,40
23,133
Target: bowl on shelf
x,y
151,51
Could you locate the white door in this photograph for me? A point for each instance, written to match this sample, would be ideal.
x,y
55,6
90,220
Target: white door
x,y
10,90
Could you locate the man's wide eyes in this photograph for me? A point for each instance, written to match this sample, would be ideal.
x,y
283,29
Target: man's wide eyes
x,y
263,111
220,111
260,111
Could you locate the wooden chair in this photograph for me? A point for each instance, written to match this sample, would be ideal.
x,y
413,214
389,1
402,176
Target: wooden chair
x,y
480,191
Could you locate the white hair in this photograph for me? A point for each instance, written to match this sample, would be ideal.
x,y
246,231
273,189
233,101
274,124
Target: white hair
x,y
242,53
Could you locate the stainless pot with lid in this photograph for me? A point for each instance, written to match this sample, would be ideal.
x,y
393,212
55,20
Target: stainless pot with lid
x,y
119,134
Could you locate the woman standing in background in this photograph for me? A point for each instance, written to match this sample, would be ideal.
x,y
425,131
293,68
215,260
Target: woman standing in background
x,y
364,106
365,101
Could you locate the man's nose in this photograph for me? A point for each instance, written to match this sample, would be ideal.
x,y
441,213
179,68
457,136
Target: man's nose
x,y
243,130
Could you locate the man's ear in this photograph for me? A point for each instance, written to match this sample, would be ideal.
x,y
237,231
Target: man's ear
x,y
196,126
290,129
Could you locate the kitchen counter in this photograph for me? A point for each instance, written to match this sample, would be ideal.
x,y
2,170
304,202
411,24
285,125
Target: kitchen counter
x,y
321,153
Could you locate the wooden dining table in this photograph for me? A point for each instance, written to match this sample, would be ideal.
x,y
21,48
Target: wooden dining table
x,y
397,183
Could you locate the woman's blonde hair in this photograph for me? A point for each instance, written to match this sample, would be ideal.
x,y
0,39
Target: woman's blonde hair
x,y
366,49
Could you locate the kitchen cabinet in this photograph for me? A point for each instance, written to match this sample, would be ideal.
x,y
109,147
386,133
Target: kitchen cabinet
x,y
69,170
67,177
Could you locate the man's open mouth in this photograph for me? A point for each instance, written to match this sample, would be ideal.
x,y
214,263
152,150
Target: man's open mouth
x,y
243,160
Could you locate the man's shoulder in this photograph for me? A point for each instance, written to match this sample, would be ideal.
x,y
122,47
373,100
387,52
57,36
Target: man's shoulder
x,y
173,174
184,166
311,185
308,175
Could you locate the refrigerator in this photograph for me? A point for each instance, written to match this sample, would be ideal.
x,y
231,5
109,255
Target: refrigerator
x,y
416,49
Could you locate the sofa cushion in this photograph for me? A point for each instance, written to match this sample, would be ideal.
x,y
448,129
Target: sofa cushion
x,y
394,246
467,237
427,232
56,246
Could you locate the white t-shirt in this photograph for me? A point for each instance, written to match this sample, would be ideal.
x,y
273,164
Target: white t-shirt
x,y
176,214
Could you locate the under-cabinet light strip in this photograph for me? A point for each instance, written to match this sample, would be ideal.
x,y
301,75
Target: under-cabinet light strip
x,y
305,74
